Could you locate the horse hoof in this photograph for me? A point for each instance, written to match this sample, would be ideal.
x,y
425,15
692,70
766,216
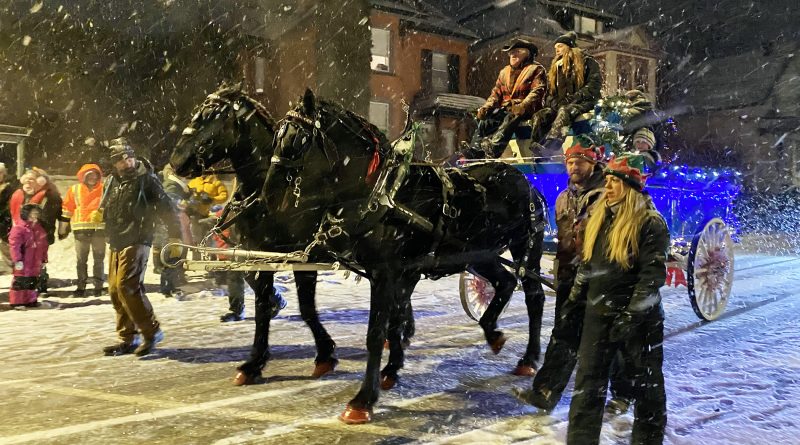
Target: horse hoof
x,y
524,371
242,379
322,368
498,344
355,416
388,382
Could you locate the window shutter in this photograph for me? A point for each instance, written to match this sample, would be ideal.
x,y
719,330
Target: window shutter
x,y
427,67
453,69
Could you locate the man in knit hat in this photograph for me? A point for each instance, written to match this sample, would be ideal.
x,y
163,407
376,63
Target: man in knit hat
x,y
518,93
574,82
585,168
132,200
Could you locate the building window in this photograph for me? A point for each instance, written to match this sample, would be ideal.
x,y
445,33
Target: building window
x,y
379,115
260,74
624,74
587,25
440,72
641,74
381,39
449,140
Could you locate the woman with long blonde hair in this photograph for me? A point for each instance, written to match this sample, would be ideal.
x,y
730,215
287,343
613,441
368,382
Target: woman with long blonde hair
x,y
574,82
623,266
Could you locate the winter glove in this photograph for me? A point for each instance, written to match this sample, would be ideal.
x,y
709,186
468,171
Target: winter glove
x,y
96,216
204,198
174,250
624,326
19,265
518,109
63,230
482,112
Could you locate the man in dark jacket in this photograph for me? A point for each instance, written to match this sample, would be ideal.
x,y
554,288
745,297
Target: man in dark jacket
x,y
574,82
518,94
132,200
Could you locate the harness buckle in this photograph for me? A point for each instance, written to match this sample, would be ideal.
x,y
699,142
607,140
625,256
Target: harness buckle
x,y
449,211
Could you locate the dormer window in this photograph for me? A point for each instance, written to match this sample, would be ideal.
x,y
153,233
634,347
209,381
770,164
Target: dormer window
x,y
588,25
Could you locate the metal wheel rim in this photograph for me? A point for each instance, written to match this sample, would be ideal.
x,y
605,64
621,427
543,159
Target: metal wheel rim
x,y
476,294
711,270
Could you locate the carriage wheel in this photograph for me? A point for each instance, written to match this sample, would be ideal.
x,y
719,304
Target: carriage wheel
x,y
710,269
476,294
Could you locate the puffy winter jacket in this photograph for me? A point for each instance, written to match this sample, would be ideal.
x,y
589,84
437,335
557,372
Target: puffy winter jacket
x,y
28,243
130,206
208,190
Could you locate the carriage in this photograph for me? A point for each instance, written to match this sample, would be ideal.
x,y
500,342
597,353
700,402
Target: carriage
x,y
697,206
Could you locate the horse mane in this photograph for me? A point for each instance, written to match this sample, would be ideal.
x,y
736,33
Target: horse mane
x,y
339,111
235,92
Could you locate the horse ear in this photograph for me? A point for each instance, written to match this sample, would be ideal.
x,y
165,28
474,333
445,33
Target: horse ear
x,y
308,102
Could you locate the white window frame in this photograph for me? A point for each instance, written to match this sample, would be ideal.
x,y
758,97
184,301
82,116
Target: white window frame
x,y
440,72
588,25
376,108
260,74
381,62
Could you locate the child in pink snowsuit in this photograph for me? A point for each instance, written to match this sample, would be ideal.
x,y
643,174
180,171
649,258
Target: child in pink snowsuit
x,y
28,243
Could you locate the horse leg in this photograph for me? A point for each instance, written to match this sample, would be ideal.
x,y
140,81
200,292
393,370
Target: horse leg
x,y
534,301
382,301
250,371
399,333
325,361
504,284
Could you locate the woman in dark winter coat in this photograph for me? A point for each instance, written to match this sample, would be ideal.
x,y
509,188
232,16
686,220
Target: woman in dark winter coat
x,y
623,267
28,242
574,82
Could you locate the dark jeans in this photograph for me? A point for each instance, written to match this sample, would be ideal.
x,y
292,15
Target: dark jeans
x,y
643,355
86,240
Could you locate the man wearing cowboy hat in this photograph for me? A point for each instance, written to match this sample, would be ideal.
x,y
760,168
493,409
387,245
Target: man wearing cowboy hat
x,y
518,93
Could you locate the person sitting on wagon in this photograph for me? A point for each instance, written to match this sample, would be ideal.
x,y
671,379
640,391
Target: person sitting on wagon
x,y
644,143
574,82
623,266
518,93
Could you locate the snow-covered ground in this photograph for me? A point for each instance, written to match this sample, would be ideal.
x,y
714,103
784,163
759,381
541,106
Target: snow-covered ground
x,y
733,381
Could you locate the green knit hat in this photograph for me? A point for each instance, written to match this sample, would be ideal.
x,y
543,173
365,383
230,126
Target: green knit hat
x,y
629,167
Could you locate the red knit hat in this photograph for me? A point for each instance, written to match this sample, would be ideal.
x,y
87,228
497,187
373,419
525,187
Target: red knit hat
x,y
629,167
585,150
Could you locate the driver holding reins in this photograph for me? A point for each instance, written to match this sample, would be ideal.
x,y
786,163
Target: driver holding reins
x,y
518,93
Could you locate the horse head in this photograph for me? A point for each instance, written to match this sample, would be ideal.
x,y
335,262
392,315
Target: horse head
x,y
226,125
322,153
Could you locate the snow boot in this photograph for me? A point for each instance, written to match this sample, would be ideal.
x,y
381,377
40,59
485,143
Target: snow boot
x,y
618,405
149,344
230,316
121,348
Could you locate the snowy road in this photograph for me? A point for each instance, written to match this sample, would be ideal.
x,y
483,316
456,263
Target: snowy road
x,y
736,380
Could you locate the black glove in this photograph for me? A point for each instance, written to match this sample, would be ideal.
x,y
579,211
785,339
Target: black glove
x,y
624,326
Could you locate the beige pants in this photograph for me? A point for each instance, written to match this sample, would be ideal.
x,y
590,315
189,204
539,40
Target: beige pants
x,y
126,287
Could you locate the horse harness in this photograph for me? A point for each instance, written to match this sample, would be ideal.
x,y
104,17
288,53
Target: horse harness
x,y
381,199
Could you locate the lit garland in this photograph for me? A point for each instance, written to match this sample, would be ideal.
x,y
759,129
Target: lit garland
x,y
608,121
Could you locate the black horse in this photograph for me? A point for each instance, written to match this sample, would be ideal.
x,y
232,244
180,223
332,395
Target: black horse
x,y
396,221
230,125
